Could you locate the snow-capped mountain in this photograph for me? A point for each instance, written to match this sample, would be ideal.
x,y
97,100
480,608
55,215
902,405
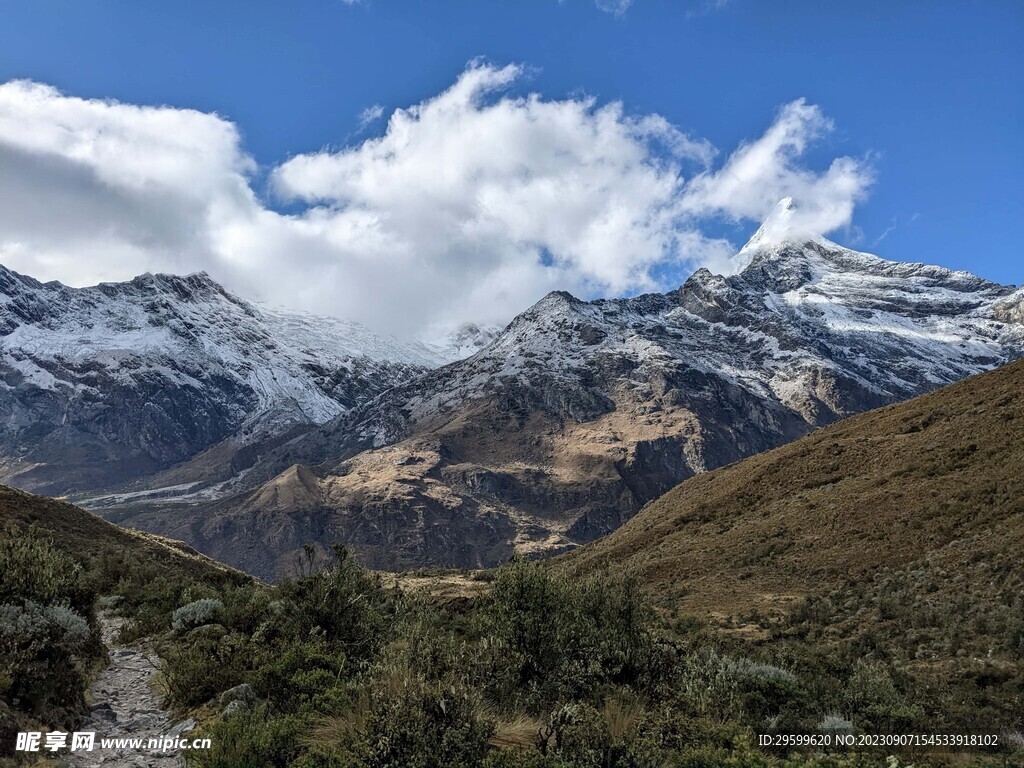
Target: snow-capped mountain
x,y
109,383
580,412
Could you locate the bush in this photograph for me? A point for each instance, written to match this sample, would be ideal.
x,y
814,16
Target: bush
x,y
46,638
553,638
198,668
32,569
299,676
577,732
345,604
30,626
43,654
708,684
251,740
296,644
834,725
197,613
760,674
872,698
414,723
246,608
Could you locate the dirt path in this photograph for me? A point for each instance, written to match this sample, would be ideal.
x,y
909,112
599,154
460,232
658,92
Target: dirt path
x,y
124,705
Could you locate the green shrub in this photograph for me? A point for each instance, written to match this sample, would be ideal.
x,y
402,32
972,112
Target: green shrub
x,y
248,607
199,667
301,675
43,654
875,703
554,638
47,641
708,684
577,732
414,723
344,603
197,613
255,739
32,569
150,593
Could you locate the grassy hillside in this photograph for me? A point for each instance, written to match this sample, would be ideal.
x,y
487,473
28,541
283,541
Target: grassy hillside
x,y
936,483
56,561
90,539
896,535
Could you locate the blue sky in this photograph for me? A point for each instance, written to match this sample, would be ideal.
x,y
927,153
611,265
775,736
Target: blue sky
x,y
925,96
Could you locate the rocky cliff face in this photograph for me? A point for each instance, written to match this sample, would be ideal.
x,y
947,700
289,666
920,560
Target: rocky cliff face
x,y
578,413
104,385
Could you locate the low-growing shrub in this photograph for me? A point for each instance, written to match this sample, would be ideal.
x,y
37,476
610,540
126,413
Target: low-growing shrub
x,y
43,654
197,669
32,569
834,725
251,740
47,640
553,638
206,610
422,724
345,603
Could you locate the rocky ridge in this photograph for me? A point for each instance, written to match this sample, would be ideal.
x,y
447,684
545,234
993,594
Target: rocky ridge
x,y
579,413
105,385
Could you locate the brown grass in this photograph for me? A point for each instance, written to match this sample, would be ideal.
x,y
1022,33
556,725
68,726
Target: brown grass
x,y
82,534
938,479
518,732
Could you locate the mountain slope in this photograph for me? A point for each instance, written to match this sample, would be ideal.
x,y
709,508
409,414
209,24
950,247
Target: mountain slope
x,y
110,383
580,412
908,520
56,560
85,537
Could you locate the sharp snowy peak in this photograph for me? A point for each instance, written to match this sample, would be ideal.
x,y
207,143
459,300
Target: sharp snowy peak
x,y
783,225
104,384
580,412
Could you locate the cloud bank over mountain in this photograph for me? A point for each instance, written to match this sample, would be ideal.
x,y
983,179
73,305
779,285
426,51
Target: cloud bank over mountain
x,y
468,206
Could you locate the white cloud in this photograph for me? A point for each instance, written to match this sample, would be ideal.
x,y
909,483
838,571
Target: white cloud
x,y
90,189
758,174
615,7
469,206
370,115
706,7
465,188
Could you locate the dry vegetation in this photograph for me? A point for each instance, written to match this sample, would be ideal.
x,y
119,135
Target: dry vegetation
x,y
85,536
899,530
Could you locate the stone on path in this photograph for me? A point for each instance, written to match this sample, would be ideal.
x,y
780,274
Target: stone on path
x,y
124,705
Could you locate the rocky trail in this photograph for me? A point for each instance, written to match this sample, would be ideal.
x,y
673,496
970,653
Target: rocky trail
x,y
126,706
